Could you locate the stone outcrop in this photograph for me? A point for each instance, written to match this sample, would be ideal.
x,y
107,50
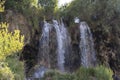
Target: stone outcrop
x,y
19,22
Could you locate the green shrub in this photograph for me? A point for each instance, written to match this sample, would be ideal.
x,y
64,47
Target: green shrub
x,y
56,75
16,67
11,43
85,74
5,72
97,73
103,73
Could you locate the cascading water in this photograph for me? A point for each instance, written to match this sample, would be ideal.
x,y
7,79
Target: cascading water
x,y
43,56
63,43
88,57
63,48
44,44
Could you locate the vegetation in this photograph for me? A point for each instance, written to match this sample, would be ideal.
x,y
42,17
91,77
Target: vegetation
x,y
16,67
48,7
37,9
98,73
92,11
102,15
26,7
103,18
10,43
1,6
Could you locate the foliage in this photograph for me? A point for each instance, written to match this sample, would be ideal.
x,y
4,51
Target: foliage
x,y
34,10
107,73
48,7
34,3
56,75
16,67
29,9
2,5
98,11
20,5
10,43
45,4
5,72
98,73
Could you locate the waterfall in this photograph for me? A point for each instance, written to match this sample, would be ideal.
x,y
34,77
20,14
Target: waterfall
x,y
63,41
43,54
63,48
44,45
87,51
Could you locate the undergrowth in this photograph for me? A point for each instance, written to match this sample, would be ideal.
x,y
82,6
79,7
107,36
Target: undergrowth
x,y
98,73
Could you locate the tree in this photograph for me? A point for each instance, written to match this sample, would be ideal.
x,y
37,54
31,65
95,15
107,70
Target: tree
x,y
48,6
17,5
10,43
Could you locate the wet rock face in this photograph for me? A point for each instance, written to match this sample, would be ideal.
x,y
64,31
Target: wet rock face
x,y
29,55
53,49
115,77
30,52
75,56
51,52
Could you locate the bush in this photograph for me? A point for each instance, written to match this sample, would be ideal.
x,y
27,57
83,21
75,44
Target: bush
x,y
103,73
11,43
56,75
85,74
16,67
5,72
98,73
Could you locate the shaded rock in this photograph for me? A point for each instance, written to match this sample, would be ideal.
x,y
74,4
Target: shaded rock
x,y
115,77
18,22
